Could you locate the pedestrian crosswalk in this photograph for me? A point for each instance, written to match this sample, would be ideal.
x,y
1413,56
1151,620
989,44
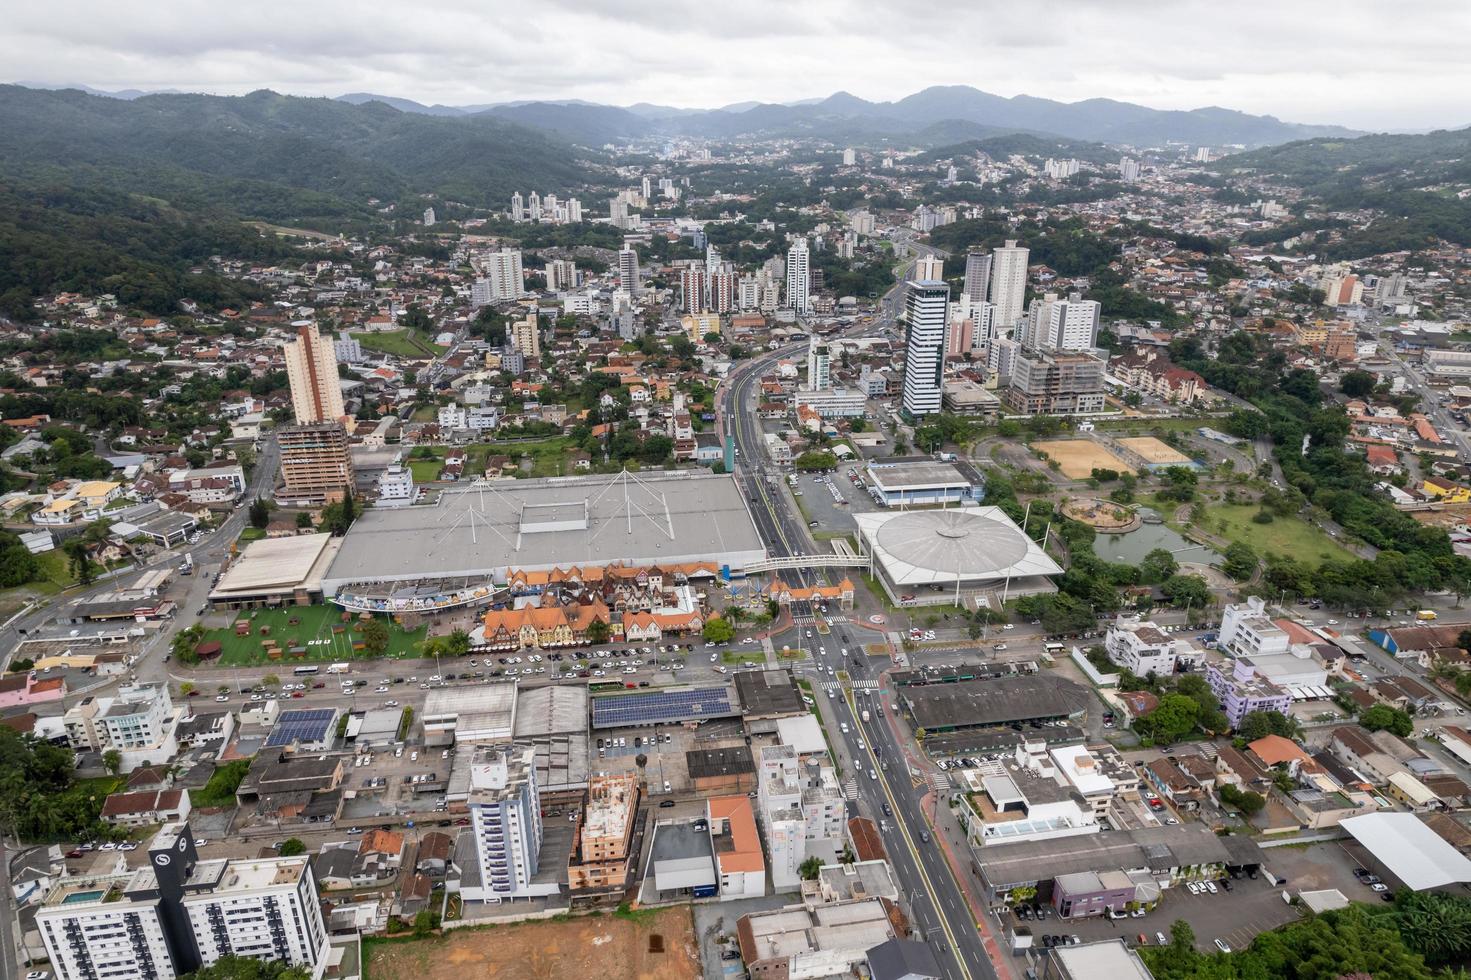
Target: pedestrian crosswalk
x,y
850,788
863,685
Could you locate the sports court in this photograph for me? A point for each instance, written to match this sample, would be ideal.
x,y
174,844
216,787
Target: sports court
x,y
1154,452
1078,458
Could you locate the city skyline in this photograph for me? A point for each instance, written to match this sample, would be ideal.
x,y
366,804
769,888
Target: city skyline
x,y
1290,61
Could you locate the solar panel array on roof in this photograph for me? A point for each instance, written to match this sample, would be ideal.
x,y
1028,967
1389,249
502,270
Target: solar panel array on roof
x,y
662,707
301,725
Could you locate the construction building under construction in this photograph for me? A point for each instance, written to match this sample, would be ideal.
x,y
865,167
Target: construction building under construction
x,y
479,533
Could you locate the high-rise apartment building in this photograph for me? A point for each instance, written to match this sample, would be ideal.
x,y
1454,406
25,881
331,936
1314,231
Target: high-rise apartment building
x,y
926,309
646,188
574,210
1128,169
505,820
561,274
480,294
428,217
1062,324
178,913
1009,282
723,291
315,465
819,365
311,370
977,276
850,157
525,336
799,277
505,274
693,286
518,207
628,270
929,268
533,206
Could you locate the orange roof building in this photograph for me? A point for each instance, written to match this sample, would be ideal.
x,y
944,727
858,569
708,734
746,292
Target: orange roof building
x,y
737,846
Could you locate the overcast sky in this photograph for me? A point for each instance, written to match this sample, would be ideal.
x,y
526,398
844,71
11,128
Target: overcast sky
x,y
1369,65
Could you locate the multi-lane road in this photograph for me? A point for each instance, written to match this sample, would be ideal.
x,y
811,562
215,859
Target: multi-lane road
x,y
879,771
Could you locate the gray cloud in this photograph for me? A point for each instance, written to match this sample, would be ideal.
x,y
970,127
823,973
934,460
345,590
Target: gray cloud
x,y
1344,61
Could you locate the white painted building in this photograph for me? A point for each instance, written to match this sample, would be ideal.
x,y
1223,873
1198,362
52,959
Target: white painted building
x,y
505,822
801,809
926,309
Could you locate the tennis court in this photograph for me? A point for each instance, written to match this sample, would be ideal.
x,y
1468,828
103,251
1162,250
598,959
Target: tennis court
x,y
1078,458
317,632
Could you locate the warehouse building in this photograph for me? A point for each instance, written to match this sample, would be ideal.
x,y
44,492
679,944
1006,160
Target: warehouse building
x,y
1013,699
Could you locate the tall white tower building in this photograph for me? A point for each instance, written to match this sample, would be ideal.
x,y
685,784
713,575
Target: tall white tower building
x,y
977,276
1009,282
925,311
929,268
504,272
628,270
518,207
311,370
819,365
505,819
799,277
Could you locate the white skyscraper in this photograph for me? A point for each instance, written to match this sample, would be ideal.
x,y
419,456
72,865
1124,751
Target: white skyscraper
x,y
628,270
505,819
618,212
1009,281
503,270
428,217
694,288
819,365
480,294
977,276
646,187
561,274
849,157
518,207
925,311
574,210
799,804
1128,169
533,206
799,277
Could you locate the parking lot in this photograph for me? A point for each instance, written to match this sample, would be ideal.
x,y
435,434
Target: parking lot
x,y
1235,916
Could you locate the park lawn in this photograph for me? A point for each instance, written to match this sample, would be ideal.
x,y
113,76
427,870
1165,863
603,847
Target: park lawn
x,y
426,470
315,624
55,574
1290,537
252,534
400,343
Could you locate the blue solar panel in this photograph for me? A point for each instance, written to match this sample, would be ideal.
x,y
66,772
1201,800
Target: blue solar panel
x,y
301,725
662,707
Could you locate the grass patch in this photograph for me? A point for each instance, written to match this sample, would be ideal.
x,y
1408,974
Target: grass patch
x,y
252,534
548,456
879,593
426,470
220,790
314,625
400,343
1291,537
54,574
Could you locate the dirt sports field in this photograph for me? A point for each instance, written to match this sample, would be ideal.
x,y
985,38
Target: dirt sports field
x,y
1154,451
648,946
1078,458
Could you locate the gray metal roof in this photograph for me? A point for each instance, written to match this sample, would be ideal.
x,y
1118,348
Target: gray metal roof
x,y
969,543
660,518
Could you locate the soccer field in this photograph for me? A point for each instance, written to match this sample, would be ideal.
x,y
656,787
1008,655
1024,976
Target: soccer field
x,y
1078,458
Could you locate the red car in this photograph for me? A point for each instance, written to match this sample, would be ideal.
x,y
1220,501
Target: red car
x,y
298,694
74,853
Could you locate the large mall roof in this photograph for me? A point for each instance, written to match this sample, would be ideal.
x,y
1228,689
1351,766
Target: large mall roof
x,y
485,529
972,544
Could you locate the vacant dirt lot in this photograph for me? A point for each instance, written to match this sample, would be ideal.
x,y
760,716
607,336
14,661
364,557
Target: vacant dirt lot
x,y
1153,450
1078,458
651,946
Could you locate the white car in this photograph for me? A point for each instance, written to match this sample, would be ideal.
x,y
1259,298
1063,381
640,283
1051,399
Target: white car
x,y
1008,626
872,774
390,704
222,697
381,689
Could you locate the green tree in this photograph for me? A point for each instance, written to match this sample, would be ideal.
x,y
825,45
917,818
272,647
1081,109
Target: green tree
x,y
718,630
291,847
1241,561
270,680
1383,717
425,922
1260,724
1157,566
1357,384
78,561
1186,590
457,644
1249,802
260,513
303,520
112,761
1174,718
375,637
247,968
597,631
810,868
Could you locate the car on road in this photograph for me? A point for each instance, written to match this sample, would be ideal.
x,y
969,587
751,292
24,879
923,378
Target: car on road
x,y
873,775
222,697
390,704
200,842
1379,886
1223,946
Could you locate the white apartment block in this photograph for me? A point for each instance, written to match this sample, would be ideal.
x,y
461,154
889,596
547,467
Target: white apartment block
x,y
177,913
1063,324
311,370
396,485
504,273
1247,630
819,365
801,810
1142,648
505,821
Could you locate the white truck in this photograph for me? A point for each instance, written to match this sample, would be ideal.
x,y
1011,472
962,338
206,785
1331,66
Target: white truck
x,y
339,668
